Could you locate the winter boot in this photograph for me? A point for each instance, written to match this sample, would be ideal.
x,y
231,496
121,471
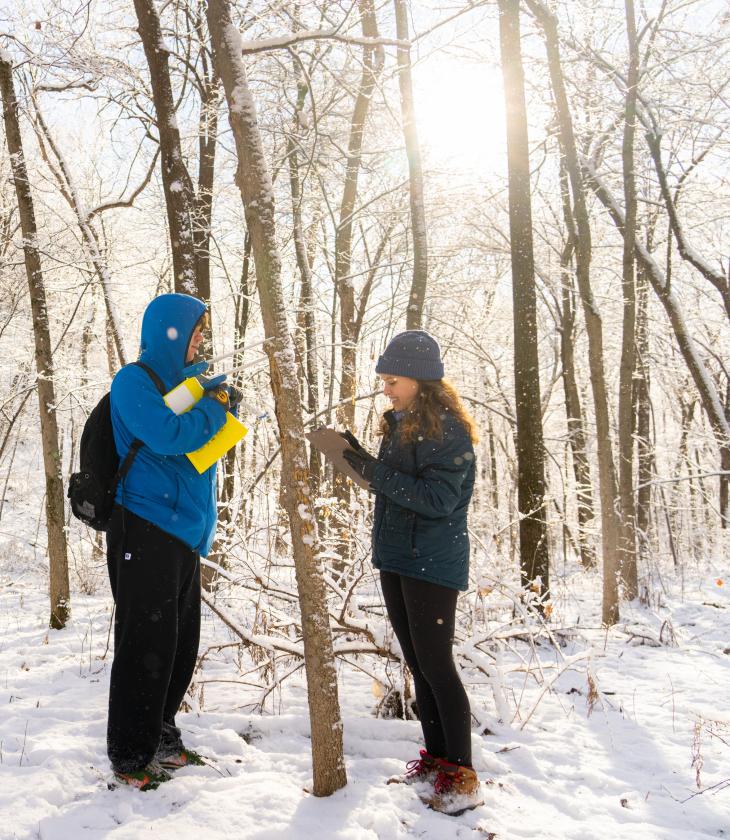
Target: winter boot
x,y
423,769
455,790
175,759
148,778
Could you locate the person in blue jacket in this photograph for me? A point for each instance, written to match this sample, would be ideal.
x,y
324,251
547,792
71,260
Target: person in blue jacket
x,y
162,523
423,479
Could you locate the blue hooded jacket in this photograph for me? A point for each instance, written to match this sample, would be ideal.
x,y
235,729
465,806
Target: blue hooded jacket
x,y
162,485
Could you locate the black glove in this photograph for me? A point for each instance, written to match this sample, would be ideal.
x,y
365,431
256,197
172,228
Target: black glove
x,y
235,397
362,462
352,440
220,394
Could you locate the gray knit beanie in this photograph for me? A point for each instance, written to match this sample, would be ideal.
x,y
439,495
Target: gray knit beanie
x,y
413,353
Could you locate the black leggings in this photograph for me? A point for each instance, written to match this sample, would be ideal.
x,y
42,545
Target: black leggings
x,y
422,615
155,580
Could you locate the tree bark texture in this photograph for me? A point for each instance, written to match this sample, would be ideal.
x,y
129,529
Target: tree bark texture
x,y
534,560
254,182
626,408
176,181
417,298
610,522
57,556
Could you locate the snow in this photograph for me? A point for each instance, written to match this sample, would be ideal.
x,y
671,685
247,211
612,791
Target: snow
x,y
615,765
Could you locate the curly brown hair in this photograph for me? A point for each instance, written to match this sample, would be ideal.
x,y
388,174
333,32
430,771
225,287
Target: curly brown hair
x,y
424,415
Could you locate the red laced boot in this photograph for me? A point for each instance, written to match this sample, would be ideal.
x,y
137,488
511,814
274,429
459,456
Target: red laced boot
x,y
456,790
423,769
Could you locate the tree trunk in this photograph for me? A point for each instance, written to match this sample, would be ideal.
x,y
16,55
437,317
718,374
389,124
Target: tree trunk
x,y
309,361
626,410
207,138
176,181
68,189
725,466
643,418
573,408
534,560
594,327
58,562
254,182
371,66
414,315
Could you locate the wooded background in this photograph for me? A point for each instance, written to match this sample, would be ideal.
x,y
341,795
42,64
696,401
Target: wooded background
x,y
292,164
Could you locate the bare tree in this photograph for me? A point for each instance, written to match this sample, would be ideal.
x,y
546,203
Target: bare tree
x,y
416,300
254,182
626,393
594,327
534,555
58,562
176,181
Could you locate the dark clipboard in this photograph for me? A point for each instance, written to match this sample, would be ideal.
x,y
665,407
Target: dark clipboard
x,y
331,444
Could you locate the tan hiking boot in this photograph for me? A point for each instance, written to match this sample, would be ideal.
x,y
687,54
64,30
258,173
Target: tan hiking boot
x,y
456,790
423,769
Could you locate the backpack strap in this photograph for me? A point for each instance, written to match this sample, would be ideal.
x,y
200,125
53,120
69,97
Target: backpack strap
x,y
159,384
137,444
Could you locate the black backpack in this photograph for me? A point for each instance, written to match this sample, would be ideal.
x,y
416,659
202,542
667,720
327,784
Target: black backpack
x,y
91,491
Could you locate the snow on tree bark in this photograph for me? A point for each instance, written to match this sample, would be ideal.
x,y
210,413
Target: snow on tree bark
x,y
176,181
254,182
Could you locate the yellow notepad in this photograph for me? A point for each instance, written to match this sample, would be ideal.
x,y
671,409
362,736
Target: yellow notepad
x,y
181,399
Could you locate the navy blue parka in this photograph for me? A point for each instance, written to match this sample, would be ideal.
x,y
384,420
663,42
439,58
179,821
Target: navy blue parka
x,y
422,493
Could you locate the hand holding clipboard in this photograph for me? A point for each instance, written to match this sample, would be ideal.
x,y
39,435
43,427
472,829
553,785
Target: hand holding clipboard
x,y
333,445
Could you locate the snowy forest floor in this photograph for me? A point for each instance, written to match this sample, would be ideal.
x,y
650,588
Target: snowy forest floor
x,y
621,764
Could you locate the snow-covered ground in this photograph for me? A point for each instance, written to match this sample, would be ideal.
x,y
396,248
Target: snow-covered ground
x,y
585,767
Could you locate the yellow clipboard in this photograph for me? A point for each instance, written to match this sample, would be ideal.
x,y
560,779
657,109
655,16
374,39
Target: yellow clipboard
x,y
181,399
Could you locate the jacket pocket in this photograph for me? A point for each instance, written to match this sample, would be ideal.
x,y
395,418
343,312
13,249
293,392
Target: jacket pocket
x,y
397,528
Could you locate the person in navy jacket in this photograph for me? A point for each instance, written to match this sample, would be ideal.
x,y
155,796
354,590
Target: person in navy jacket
x,y
423,479
162,523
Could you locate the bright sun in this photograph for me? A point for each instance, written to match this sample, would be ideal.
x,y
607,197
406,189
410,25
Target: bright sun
x,y
460,114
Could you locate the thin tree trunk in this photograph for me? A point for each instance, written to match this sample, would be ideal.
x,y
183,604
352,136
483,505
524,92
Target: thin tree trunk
x,y
207,138
626,412
594,327
643,418
254,182
372,63
68,189
58,561
176,181
414,315
306,300
725,465
534,560
573,408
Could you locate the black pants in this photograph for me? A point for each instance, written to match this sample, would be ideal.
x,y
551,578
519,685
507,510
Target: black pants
x,y
155,580
423,615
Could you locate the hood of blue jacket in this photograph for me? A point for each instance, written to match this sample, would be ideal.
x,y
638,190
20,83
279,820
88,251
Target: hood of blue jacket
x,y
167,327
